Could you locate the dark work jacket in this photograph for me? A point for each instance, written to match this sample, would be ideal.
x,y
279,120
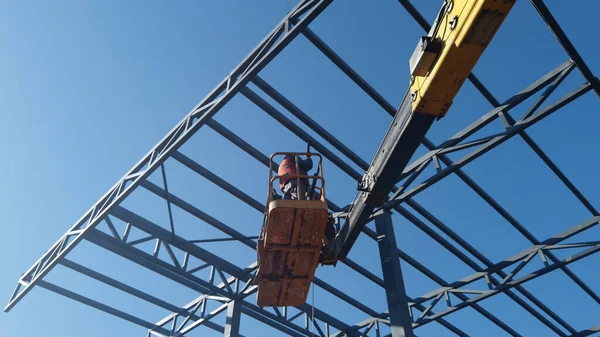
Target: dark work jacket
x,y
288,166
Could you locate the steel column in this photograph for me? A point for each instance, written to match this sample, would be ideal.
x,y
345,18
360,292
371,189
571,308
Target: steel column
x,y
400,318
232,324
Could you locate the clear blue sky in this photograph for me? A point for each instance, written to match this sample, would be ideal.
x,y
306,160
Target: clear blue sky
x,y
88,87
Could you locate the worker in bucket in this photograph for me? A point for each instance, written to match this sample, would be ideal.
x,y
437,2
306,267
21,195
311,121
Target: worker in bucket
x,y
288,185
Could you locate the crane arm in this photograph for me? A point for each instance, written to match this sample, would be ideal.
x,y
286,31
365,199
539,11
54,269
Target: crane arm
x,y
439,66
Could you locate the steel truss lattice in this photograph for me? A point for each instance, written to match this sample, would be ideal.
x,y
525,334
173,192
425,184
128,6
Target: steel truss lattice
x,y
228,289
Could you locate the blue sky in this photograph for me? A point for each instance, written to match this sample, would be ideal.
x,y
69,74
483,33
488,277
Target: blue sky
x,y
88,88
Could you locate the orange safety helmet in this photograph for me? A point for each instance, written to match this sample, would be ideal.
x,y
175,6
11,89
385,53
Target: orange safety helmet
x,y
287,167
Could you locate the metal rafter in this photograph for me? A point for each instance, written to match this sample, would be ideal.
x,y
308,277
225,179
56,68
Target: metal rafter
x,y
280,36
511,280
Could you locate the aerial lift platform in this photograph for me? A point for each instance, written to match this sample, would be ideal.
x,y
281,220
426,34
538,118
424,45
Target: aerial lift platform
x,y
293,232
291,239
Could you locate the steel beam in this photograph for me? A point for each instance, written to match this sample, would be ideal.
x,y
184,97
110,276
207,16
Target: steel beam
x,y
166,237
437,279
290,125
346,69
133,291
400,320
99,306
200,253
454,141
312,124
509,281
195,283
291,25
494,141
522,258
500,112
478,255
564,41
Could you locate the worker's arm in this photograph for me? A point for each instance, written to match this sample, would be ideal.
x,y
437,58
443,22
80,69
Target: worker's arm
x,y
438,67
305,164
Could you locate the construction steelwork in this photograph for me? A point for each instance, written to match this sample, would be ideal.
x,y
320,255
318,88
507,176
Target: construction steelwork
x,y
386,194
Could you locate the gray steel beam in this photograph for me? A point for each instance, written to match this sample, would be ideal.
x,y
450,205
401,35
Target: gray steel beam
x,y
346,69
400,318
99,306
489,117
252,151
200,304
371,92
312,124
507,283
551,77
232,324
176,241
441,282
273,321
472,264
193,282
290,125
132,291
163,268
220,130
522,259
291,25
564,41
493,142
452,235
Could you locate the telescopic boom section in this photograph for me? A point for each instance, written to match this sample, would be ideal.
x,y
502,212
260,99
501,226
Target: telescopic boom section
x,y
439,66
